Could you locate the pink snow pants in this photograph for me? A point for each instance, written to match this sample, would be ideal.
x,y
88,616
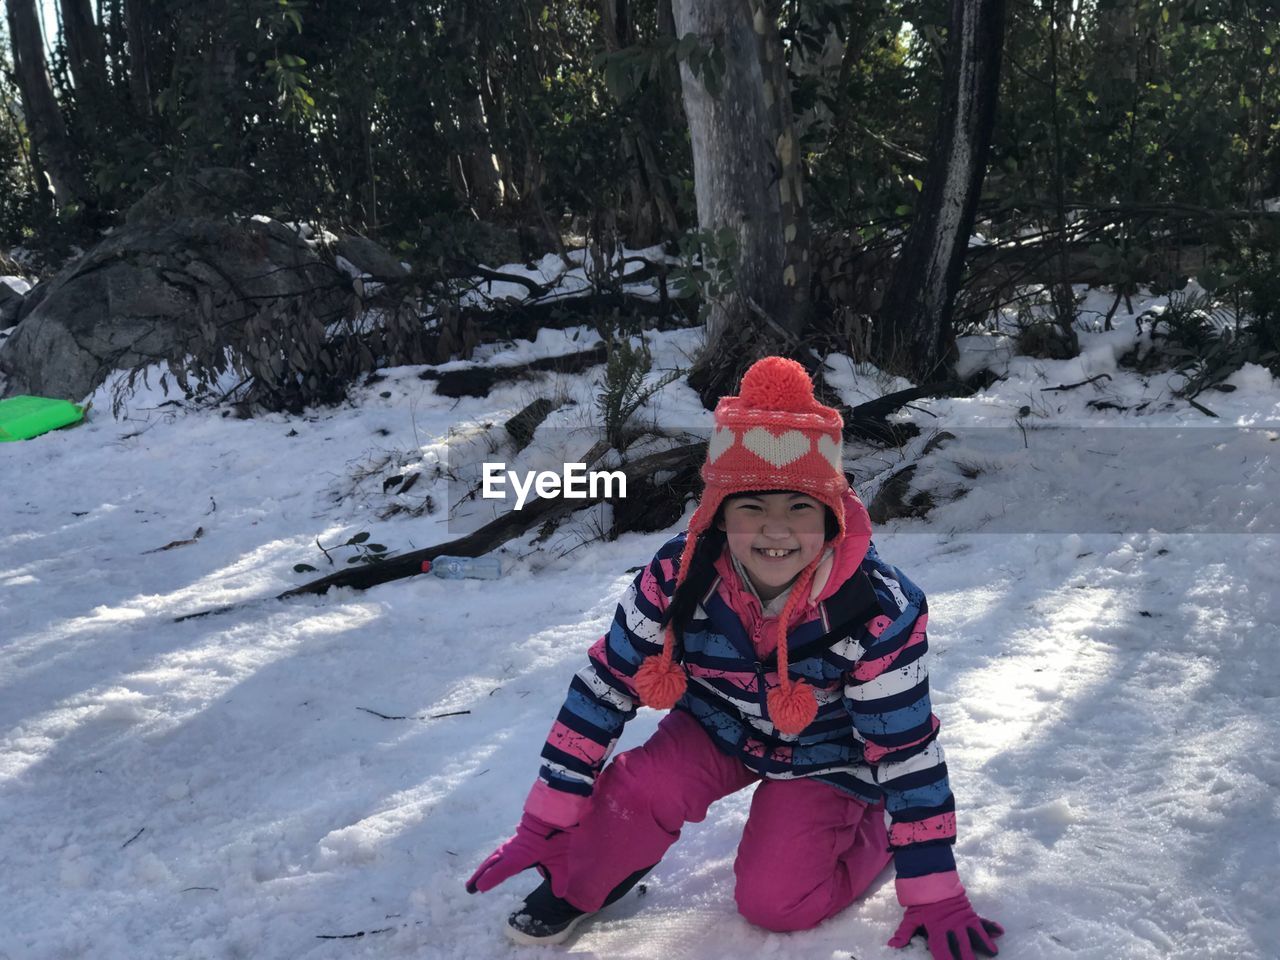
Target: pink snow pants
x,y
807,851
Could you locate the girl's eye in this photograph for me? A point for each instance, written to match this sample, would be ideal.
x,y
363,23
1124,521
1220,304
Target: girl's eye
x,y
802,506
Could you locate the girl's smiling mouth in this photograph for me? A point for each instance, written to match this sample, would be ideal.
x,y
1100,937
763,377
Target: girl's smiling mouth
x,y
775,553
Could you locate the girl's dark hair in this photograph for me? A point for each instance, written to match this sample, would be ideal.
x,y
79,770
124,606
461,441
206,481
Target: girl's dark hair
x,y
702,567
696,582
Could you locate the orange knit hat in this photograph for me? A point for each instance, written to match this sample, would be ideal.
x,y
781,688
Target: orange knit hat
x,y
774,435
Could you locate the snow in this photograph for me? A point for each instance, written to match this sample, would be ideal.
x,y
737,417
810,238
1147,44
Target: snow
x,y
18,285
1105,612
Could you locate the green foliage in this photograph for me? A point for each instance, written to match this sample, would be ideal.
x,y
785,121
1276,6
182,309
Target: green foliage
x,y
1260,281
623,390
654,63
368,113
291,83
705,60
17,213
1192,321
1207,342
865,123
1234,316
376,115
1158,101
362,552
707,269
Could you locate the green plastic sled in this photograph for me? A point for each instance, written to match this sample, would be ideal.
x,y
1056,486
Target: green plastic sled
x,y
22,418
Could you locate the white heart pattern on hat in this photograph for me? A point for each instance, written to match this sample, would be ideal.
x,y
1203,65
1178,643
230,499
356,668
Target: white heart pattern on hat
x,y
779,451
830,449
721,440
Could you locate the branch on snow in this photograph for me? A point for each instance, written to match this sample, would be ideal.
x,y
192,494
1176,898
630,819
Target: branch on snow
x,y
429,716
353,936
1072,386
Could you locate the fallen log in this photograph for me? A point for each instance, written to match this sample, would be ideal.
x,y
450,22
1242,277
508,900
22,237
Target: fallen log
x,y
492,535
521,427
478,381
869,421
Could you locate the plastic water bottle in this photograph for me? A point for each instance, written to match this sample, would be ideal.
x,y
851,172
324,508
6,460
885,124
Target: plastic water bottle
x,y
459,568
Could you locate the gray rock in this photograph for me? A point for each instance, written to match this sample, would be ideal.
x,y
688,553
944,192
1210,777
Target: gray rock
x,y
13,290
370,258
156,291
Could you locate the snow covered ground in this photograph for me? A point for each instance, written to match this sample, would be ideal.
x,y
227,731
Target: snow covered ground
x,y
1104,602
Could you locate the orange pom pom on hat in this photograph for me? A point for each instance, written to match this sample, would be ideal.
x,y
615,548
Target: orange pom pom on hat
x,y
774,435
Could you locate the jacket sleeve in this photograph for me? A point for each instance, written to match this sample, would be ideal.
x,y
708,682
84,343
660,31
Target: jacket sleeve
x,y
602,695
888,696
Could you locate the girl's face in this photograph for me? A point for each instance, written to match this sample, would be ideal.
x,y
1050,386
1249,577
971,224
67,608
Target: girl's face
x,y
774,536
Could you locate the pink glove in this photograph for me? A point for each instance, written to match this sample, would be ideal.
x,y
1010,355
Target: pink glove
x,y
536,844
951,928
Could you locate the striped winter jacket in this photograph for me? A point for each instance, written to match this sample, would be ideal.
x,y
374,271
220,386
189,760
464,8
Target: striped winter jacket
x,y
860,643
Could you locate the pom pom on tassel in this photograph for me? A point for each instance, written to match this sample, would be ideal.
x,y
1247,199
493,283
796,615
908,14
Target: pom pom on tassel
x,y
660,683
793,707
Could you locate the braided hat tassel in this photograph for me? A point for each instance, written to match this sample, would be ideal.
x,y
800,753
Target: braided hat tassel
x,y
661,681
792,704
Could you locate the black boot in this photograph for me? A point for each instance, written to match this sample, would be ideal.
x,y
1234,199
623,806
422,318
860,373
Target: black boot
x,y
545,918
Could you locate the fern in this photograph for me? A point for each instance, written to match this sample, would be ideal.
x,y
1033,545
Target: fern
x,y
623,390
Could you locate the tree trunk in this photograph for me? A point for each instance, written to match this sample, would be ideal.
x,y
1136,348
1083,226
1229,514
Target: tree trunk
x,y
221,147
914,334
1115,57
666,19
85,54
614,28
495,112
673,101
652,213
654,177
747,178
110,16
477,167
45,125
137,15
1062,338
370,218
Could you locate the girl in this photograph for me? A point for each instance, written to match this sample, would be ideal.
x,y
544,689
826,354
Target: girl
x,y
793,659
